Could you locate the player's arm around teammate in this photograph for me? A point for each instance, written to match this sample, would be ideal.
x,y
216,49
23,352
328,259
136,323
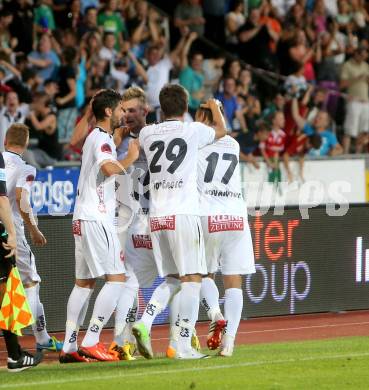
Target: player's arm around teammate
x,y
98,252
227,236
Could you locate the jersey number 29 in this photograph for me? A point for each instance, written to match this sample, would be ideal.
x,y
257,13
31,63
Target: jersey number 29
x,y
175,156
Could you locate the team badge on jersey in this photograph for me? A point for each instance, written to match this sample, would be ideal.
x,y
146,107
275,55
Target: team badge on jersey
x,y
106,148
223,223
163,223
30,178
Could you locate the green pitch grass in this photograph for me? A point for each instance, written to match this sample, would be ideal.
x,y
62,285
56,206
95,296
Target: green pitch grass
x,y
329,364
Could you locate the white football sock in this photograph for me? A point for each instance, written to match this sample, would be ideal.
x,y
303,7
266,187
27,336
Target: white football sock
x,y
105,304
209,298
159,300
188,312
233,305
174,320
124,306
76,303
82,314
131,319
37,308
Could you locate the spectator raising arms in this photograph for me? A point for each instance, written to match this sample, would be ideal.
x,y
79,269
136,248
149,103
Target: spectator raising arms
x,y
232,109
329,145
65,100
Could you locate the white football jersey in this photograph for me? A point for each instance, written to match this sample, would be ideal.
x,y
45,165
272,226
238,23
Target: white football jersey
x,y
133,186
18,175
171,148
96,199
219,180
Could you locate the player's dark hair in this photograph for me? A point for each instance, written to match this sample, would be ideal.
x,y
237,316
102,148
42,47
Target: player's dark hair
x,y
108,98
17,135
173,100
207,115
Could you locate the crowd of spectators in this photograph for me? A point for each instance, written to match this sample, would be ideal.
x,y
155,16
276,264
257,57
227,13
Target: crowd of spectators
x,y
292,75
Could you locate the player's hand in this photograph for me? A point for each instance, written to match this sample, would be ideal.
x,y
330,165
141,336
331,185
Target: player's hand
x,y
38,238
122,132
10,245
211,104
133,150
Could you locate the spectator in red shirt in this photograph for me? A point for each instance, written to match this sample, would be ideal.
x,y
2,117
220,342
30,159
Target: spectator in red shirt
x,y
273,147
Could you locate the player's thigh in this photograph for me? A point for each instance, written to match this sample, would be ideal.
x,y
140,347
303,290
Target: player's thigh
x,y
139,258
97,250
352,119
26,262
187,245
163,254
237,253
212,242
124,220
114,260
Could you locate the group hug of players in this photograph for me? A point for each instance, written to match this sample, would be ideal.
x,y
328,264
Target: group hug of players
x,y
162,199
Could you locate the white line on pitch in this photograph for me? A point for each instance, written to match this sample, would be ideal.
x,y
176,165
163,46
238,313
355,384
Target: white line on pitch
x,y
124,374
266,331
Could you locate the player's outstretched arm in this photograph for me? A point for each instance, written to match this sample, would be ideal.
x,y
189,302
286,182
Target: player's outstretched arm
x,y
218,118
25,209
110,168
80,131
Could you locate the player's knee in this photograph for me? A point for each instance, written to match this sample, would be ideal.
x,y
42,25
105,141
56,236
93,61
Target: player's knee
x,y
232,281
31,284
86,283
116,278
191,278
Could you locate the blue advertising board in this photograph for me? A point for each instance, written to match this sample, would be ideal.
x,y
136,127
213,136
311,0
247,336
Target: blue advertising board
x,y
54,191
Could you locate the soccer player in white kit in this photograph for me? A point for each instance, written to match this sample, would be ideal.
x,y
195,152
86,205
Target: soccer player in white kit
x,y
133,222
228,243
171,148
20,177
98,252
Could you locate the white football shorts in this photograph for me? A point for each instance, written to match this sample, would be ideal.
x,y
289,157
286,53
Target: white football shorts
x,y
26,261
178,245
97,250
228,245
139,255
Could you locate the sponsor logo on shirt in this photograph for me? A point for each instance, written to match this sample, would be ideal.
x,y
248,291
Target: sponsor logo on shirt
x,y
163,223
227,194
168,185
142,241
106,148
223,223
76,227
